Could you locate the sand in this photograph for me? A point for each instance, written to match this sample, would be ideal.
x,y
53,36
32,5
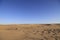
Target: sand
x,y
30,32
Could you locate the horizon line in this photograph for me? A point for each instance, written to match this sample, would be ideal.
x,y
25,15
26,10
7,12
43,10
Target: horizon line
x,y
27,23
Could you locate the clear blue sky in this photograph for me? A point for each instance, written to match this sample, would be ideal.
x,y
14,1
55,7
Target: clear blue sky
x,y
29,11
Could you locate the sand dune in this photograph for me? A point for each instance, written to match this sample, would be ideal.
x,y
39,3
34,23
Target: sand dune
x,y
30,32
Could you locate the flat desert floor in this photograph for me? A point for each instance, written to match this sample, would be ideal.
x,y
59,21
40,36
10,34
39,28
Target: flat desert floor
x,y
30,32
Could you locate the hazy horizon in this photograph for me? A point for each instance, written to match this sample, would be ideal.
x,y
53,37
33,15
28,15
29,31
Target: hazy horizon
x,y
29,11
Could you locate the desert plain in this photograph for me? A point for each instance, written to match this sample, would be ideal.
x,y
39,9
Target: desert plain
x,y
30,32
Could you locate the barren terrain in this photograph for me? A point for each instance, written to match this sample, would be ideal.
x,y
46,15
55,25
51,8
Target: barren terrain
x,y
30,32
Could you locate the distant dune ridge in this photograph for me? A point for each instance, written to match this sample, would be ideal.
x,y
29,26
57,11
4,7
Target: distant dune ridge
x,y
30,32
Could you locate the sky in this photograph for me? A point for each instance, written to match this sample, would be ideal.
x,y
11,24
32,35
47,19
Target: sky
x,y
29,11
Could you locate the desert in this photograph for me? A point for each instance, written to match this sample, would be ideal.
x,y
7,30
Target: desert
x,y
30,32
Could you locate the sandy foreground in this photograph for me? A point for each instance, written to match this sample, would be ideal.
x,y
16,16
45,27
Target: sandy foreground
x,y
30,32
